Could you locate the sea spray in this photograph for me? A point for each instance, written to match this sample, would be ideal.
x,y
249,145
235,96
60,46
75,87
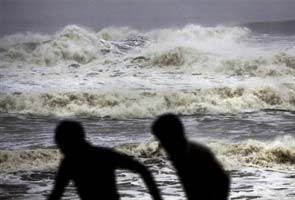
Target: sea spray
x,y
83,45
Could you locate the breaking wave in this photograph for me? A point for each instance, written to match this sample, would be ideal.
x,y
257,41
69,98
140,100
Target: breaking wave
x,y
118,54
277,154
72,44
134,104
23,160
208,49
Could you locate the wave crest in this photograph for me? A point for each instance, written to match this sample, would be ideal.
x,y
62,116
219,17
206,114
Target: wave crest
x,y
209,50
128,104
279,153
83,45
276,154
73,43
22,160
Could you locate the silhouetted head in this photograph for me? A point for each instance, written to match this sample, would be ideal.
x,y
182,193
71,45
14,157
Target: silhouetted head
x,y
69,136
169,130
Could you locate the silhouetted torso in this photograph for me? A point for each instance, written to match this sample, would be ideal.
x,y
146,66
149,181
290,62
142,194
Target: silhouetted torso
x,y
92,169
93,172
201,175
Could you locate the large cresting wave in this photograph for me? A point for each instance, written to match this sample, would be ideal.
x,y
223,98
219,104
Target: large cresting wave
x,y
122,72
221,49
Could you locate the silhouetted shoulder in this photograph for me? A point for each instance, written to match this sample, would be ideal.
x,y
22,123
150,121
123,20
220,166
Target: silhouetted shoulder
x,y
101,151
116,159
203,157
198,149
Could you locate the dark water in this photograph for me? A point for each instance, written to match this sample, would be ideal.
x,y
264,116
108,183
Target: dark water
x,y
21,132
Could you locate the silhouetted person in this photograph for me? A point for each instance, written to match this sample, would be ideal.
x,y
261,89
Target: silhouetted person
x,y
202,177
92,169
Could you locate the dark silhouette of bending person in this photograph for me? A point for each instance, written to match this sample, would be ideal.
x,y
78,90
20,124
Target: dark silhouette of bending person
x,y
92,169
202,177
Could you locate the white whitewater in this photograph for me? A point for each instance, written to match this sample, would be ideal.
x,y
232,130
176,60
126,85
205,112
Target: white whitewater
x,y
122,73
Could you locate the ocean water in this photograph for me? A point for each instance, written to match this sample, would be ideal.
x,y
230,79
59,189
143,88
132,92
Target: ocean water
x,y
233,87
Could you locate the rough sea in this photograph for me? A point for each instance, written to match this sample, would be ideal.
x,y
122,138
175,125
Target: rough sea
x,y
234,89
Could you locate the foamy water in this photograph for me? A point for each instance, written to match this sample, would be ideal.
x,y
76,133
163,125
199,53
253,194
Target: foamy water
x,y
123,73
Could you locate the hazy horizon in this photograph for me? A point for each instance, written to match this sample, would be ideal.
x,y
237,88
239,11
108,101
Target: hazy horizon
x,y
48,16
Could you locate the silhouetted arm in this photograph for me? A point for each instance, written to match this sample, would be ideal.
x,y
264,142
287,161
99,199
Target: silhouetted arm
x,y
131,164
61,181
150,182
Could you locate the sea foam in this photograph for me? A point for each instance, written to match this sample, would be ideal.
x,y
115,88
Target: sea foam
x,y
120,72
83,45
278,154
134,104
